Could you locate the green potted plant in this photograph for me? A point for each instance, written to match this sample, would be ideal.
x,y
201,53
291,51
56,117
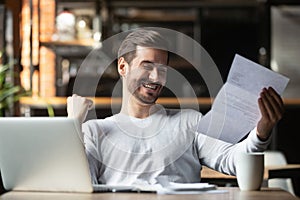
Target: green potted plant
x,y
9,93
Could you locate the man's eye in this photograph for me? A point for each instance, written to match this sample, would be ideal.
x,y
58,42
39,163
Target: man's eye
x,y
162,69
148,67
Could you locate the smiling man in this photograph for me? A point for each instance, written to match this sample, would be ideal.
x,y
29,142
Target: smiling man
x,y
143,79
145,140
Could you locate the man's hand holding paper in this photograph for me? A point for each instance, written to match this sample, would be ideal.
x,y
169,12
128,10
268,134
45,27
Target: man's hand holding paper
x,y
271,108
249,98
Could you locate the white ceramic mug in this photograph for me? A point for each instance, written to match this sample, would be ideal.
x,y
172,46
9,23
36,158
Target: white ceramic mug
x,y
250,170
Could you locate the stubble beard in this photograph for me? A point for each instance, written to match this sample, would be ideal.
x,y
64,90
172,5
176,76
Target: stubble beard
x,y
148,99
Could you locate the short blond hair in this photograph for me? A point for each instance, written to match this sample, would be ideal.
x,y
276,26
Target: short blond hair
x,y
143,37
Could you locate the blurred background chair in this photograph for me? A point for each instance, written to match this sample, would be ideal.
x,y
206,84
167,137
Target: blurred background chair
x,y
277,158
2,190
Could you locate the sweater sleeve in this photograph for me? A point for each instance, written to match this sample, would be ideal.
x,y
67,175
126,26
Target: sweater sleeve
x,y
91,149
220,155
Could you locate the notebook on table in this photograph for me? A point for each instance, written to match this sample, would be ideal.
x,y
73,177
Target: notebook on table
x,y
46,154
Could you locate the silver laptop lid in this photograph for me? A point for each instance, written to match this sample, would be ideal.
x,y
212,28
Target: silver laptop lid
x,y
43,154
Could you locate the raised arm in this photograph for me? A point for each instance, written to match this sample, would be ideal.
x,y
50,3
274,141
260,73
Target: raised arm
x,y
78,107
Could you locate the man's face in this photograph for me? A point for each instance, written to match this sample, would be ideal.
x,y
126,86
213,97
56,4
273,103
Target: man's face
x,y
147,74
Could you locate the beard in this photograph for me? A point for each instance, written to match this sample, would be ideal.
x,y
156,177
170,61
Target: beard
x,y
146,99
145,91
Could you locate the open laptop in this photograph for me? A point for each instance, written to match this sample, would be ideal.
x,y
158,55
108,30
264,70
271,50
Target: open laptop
x,y
45,154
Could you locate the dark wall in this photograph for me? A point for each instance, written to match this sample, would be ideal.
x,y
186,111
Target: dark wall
x,y
234,30
288,137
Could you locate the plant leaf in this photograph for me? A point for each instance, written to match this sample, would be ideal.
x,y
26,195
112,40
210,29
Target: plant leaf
x,y
8,92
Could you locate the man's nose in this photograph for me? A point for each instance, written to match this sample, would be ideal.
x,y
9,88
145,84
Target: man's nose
x,y
154,76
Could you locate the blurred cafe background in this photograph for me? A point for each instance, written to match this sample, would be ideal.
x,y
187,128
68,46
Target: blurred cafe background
x,y
44,42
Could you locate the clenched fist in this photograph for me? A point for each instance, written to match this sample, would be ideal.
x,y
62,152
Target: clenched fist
x,y
78,107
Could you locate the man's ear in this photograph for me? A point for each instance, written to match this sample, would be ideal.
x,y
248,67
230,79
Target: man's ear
x,y
122,67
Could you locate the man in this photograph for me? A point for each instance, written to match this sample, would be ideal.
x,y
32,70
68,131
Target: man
x,y
145,141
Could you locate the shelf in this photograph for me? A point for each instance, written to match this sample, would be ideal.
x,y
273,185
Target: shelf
x,y
71,48
81,42
181,4
107,102
161,15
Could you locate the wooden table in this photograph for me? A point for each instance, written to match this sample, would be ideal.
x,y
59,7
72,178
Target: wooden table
x,y
278,171
286,171
283,171
231,193
214,177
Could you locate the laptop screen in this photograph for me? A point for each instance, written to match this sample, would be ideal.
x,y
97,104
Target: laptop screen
x,y
43,154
